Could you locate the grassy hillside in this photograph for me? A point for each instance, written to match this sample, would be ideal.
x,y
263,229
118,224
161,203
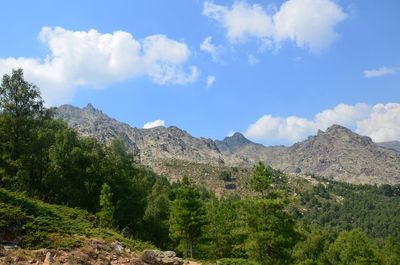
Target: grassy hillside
x,y
34,224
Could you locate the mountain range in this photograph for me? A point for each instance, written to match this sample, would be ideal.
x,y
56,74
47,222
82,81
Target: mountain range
x,y
337,153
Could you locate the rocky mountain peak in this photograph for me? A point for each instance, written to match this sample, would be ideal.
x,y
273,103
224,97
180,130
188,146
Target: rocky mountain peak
x,y
237,139
343,134
90,107
336,129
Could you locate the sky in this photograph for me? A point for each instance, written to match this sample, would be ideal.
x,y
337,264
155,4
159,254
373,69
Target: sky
x,y
277,71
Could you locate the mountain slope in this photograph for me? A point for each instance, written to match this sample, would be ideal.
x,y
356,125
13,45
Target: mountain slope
x,y
149,145
340,154
337,153
394,145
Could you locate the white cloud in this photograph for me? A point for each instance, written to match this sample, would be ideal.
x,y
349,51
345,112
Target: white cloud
x,y
278,129
241,20
383,71
342,114
93,59
210,80
308,23
152,124
210,48
380,122
383,123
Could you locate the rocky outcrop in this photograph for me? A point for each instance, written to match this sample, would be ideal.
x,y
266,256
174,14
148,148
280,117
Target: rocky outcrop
x,y
95,252
342,155
157,257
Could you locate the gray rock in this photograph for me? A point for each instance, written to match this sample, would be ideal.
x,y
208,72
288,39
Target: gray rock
x,y
156,257
117,246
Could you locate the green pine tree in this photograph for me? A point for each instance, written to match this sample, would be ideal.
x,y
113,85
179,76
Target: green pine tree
x,y
188,216
270,229
106,214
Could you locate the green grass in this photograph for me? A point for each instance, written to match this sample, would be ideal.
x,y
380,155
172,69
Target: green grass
x,y
41,225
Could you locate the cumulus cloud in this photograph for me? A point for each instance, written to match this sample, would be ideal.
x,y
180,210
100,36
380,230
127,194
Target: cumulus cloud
x,y
210,80
90,58
241,20
382,71
380,122
208,47
308,23
152,124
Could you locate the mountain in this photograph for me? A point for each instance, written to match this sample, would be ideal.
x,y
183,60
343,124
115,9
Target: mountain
x,y
233,142
394,145
338,153
343,155
148,145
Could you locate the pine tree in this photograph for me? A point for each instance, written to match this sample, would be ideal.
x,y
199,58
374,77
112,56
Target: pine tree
x,y
188,216
271,230
106,214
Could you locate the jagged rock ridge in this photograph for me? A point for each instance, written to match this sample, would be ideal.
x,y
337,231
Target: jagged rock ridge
x,y
147,144
337,153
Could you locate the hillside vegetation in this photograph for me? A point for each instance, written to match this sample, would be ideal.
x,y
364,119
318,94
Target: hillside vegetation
x,y
34,224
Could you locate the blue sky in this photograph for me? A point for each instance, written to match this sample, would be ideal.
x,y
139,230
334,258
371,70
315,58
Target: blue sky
x,y
281,69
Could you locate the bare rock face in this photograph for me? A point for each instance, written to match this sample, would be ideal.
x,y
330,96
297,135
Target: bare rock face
x,y
148,145
156,257
338,153
342,155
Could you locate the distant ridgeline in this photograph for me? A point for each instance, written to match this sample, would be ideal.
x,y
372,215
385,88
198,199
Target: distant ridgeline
x,y
337,153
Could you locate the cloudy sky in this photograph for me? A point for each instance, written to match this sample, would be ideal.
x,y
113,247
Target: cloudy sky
x,y
276,71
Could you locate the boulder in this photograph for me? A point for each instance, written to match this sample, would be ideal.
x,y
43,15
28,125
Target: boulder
x,y
156,257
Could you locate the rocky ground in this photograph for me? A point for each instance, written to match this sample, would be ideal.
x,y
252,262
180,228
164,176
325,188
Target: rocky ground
x,y
94,252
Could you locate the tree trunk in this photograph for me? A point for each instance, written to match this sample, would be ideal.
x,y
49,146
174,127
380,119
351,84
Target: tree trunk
x,y
191,246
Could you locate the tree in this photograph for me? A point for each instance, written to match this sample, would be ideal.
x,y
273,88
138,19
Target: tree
x,y
156,215
352,248
188,216
22,112
313,247
391,252
271,230
129,184
106,214
219,239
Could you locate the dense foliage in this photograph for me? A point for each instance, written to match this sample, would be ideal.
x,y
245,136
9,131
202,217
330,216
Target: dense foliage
x,y
330,223
340,206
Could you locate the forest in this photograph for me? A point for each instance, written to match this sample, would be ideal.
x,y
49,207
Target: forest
x,y
330,224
